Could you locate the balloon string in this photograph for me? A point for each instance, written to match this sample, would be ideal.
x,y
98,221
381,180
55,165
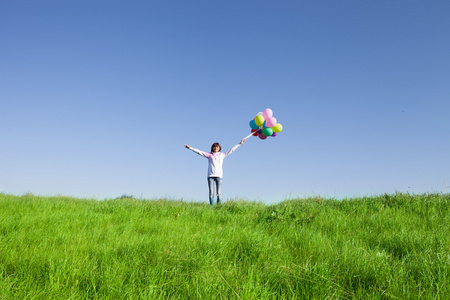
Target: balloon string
x,y
248,136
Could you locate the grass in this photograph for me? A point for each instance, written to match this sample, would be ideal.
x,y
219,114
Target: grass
x,y
382,247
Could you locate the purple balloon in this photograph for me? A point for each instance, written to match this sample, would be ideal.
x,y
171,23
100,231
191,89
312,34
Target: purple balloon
x,y
274,134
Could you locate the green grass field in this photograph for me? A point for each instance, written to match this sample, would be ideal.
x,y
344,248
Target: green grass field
x,y
383,247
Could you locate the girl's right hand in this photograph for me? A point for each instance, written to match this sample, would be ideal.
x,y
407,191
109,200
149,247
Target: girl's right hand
x,y
186,146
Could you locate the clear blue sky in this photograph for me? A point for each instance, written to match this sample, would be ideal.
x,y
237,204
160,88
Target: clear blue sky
x,y
97,98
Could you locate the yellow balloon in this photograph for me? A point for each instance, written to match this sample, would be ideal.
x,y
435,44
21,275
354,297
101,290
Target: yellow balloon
x,y
259,120
277,128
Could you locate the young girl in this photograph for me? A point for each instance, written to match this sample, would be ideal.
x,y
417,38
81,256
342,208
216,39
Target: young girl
x,y
215,172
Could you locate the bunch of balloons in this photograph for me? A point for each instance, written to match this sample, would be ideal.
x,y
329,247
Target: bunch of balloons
x,y
265,125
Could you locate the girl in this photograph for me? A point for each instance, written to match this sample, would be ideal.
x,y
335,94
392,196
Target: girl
x,y
215,172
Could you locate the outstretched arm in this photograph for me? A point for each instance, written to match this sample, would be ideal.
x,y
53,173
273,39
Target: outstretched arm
x,y
199,152
234,148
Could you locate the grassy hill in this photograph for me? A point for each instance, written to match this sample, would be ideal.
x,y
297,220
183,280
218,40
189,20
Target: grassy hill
x,y
384,247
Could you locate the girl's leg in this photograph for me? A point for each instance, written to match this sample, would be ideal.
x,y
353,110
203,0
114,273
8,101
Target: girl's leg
x,y
219,189
211,190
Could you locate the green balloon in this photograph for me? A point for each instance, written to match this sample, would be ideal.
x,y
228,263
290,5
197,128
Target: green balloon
x,y
267,131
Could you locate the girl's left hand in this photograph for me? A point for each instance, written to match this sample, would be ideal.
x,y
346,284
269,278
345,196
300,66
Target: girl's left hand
x,y
242,141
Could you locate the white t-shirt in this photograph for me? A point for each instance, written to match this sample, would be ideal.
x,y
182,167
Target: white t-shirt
x,y
215,160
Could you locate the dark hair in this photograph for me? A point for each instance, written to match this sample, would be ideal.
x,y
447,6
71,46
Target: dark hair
x,y
216,144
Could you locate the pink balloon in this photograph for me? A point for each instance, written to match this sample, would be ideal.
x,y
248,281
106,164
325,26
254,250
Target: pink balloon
x,y
270,122
262,136
267,113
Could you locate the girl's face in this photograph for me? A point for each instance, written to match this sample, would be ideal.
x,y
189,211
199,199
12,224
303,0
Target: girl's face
x,y
216,149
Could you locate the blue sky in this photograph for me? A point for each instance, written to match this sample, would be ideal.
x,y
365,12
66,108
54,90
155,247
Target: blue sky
x,y
97,98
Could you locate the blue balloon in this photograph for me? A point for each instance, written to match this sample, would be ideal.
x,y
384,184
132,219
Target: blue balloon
x,y
253,125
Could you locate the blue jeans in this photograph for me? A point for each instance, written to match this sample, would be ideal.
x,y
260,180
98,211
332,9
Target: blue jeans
x,y
218,181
